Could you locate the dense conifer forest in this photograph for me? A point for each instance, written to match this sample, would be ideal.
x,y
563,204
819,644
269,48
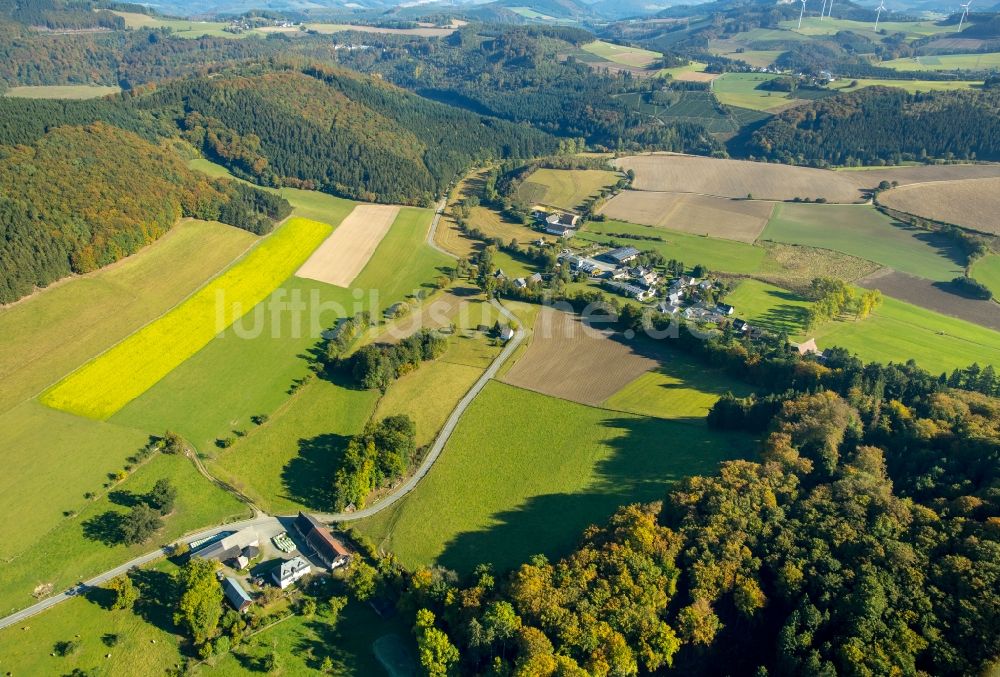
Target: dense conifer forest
x,y
881,125
404,148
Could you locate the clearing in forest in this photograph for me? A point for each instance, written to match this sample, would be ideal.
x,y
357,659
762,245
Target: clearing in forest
x,y
61,91
970,203
726,218
344,254
572,360
627,56
107,383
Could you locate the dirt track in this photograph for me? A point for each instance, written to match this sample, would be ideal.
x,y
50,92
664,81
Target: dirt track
x,y
346,252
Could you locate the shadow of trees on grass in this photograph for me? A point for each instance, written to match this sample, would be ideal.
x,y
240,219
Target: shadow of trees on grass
x,y
646,458
308,478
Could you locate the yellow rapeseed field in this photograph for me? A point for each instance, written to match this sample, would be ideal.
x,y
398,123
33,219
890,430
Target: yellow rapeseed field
x,y
107,383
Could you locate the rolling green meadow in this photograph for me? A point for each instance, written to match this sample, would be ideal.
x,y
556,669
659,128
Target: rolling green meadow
x,y
862,231
565,188
740,89
680,389
524,473
987,271
717,254
946,62
288,463
813,25
895,332
214,393
911,86
628,56
899,331
104,385
70,555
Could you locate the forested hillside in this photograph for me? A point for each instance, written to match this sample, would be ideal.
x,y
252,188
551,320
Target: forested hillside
x,y
522,74
865,541
340,132
81,197
884,125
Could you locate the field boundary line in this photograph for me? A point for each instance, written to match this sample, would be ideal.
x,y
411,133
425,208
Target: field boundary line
x,y
443,435
169,310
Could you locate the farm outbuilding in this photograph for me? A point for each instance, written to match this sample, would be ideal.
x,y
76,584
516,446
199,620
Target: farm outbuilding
x,y
329,549
622,255
236,595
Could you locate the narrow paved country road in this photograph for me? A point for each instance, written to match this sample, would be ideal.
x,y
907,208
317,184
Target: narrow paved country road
x,y
100,579
443,435
432,233
263,519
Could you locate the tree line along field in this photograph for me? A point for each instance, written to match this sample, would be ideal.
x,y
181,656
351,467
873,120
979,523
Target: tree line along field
x,y
896,331
103,386
529,480
197,397
564,188
970,203
862,231
769,181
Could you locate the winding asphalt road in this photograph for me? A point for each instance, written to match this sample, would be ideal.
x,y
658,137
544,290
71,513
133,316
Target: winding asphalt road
x,y
270,520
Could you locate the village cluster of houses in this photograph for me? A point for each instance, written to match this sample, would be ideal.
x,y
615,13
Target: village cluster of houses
x,y
684,296
238,550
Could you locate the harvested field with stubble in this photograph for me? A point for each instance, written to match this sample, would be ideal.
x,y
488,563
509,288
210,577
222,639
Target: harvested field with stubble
x,y
738,178
934,296
573,361
970,203
770,181
741,220
344,254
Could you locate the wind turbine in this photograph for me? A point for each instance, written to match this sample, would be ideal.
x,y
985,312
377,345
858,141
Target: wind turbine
x,y
965,15
881,6
803,11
